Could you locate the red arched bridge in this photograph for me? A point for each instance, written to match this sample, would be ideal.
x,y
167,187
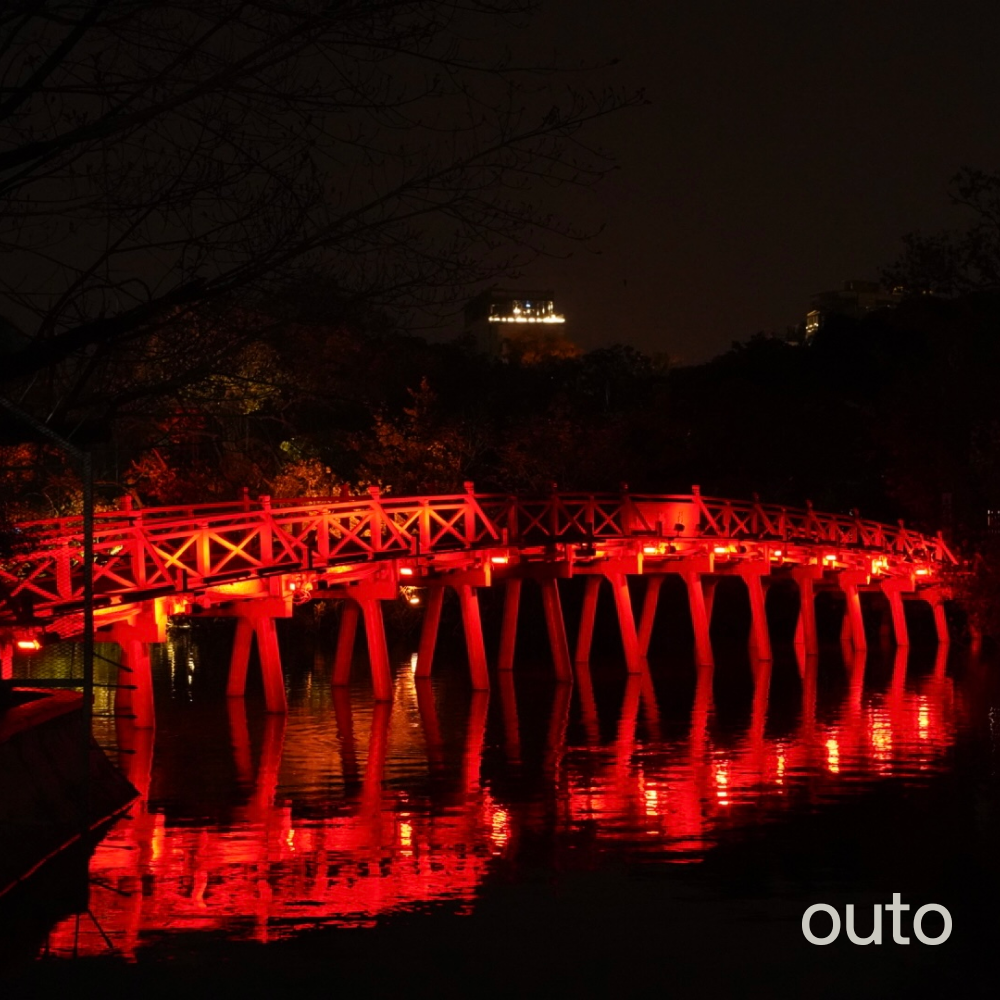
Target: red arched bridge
x,y
253,560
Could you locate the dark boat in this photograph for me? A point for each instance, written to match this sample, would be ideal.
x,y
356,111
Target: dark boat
x,y
57,787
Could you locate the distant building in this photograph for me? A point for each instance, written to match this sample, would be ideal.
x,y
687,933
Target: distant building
x,y
854,300
498,318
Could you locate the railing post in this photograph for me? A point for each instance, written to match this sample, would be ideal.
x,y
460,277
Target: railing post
x,y
138,546
627,513
470,514
266,532
696,498
375,530
203,555
513,534
424,528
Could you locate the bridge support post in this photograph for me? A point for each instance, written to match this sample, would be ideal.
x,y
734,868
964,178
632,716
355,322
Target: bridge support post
x,y
699,616
429,631
556,626
806,636
137,697
626,621
585,634
270,664
934,599
468,600
239,661
708,585
6,661
349,615
378,650
893,590
508,629
760,639
849,581
649,603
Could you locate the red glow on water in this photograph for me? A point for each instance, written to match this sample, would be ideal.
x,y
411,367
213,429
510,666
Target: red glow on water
x,y
380,846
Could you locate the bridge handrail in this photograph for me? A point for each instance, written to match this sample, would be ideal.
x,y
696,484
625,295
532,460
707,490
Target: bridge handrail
x,y
599,515
163,549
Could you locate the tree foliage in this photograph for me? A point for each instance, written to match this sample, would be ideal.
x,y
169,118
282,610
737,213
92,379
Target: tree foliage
x,y
156,157
952,262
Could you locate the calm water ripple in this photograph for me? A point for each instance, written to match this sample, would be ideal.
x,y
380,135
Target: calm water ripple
x,y
259,827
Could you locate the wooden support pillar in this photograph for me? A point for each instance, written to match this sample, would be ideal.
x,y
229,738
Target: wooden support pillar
x,y
349,615
270,664
849,582
6,661
239,661
760,639
429,631
940,621
626,622
708,585
845,629
378,651
649,603
699,618
137,665
806,636
894,594
556,626
472,625
585,634
508,629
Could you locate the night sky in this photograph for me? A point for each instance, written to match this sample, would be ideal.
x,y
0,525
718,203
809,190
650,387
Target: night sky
x,y
786,148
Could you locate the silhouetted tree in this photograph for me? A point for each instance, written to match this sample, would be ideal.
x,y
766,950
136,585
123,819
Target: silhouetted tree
x,y
155,158
951,262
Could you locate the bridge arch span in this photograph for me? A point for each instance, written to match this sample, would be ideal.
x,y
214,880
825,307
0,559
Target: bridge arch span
x,y
253,560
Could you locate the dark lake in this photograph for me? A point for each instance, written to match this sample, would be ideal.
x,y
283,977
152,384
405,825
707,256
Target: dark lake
x,y
658,834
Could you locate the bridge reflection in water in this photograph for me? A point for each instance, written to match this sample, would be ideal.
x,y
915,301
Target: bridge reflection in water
x,y
350,811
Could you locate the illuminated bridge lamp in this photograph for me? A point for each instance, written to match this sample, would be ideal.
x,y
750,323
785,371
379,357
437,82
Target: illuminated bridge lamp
x,y
499,560
28,645
405,571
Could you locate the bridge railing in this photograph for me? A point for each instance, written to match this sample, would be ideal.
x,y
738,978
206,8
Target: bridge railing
x,y
148,551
